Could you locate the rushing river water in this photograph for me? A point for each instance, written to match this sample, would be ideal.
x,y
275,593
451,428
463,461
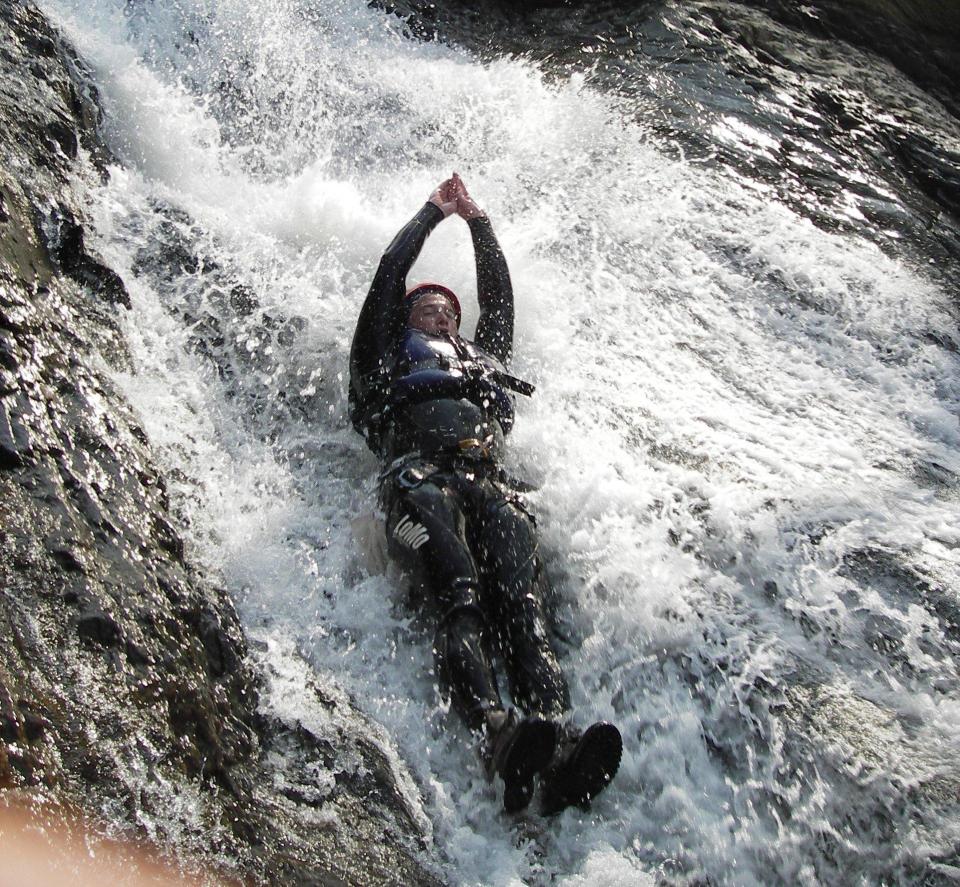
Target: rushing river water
x,y
739,312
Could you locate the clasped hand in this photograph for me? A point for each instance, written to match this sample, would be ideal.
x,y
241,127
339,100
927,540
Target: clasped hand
x,y
452,196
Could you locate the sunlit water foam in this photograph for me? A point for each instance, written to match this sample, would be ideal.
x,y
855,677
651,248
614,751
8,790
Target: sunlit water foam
x,y
733,407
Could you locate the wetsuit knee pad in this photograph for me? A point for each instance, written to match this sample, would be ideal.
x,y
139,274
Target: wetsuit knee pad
x,y
462,622
463,618
462,597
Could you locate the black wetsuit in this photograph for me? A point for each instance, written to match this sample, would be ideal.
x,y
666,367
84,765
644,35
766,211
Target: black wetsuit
x,y
436,410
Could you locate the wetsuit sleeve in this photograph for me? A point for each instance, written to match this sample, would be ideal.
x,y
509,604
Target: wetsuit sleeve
x,y
382,318
494,292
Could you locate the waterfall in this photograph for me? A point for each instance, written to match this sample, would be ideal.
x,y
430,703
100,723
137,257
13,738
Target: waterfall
x,y
744,435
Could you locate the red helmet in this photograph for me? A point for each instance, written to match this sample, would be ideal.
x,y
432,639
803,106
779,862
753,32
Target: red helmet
x,y
414,294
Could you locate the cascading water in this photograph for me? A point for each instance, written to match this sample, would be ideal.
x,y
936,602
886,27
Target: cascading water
x,y
745,431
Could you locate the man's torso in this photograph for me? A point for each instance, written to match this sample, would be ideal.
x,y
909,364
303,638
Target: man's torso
x,y
473,423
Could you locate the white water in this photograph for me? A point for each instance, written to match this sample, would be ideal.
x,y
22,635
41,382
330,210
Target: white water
x,y
727,398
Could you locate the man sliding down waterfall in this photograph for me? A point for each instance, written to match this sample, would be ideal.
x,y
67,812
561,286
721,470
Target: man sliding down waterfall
x,y
436,407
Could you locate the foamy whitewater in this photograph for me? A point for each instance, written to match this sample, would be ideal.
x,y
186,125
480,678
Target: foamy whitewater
x,y
745,434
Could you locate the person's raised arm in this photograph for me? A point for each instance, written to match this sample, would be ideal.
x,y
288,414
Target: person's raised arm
x,y
382,316
494,289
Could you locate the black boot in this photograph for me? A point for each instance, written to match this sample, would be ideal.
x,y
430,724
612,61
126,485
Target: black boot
x,y
583,767
517,750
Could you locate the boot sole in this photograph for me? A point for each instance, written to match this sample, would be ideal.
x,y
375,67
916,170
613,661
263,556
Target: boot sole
x,y
590,770
530,752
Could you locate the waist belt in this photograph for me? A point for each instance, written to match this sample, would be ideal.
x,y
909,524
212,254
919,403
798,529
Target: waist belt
x,y
411,469
470,449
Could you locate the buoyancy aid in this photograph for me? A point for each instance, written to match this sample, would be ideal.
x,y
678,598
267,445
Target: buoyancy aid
x,y
445,392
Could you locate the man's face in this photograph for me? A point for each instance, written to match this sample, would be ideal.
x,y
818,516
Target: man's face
x,y
434,314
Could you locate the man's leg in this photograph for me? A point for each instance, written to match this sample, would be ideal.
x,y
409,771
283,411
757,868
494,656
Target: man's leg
x,y
516,588
585,761
426,530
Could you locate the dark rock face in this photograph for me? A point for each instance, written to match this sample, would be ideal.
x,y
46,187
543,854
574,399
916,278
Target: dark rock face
x,y
126,686
921,37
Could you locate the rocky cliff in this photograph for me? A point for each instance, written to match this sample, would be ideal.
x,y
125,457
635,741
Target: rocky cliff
x,y
127,688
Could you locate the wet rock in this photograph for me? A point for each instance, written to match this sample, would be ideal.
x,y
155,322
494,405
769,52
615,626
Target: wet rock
x,y
34,725
125,680
934,171
921,37
15,446
97,627
167,537
290,331
169,258
68,558
243,300
71,253
64,136
883,634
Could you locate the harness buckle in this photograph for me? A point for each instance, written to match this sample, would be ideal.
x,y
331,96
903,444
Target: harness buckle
x,y
473,446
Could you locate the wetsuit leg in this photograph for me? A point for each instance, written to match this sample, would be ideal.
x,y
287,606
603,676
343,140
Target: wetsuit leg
x,y
516,588
426,529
